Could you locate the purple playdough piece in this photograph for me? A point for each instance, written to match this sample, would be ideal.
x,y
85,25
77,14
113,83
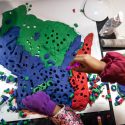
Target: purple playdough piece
x,y
75,65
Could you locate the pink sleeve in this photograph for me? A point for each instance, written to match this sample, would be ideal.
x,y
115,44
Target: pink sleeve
x,y
66,116
115,68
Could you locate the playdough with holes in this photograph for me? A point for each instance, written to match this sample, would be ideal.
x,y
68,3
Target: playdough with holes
x,y
38,53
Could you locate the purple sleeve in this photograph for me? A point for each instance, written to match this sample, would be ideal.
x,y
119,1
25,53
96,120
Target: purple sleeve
x,y
40,102
115,68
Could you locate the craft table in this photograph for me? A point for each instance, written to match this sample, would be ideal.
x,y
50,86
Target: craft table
x,y
62,11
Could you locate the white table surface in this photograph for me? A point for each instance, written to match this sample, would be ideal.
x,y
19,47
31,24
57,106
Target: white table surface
x,y
61,10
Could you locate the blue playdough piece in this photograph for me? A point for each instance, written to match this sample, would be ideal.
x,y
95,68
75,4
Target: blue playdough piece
x,y
25,60
11,35
24,89
69,56
16,55
36,62
60,86
22,64
7,44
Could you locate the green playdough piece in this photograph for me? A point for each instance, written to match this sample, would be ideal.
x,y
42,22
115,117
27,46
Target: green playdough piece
x,y
42,86
54,38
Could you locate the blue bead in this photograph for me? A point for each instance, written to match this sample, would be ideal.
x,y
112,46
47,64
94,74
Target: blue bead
x,y
46,56
36,36
8,21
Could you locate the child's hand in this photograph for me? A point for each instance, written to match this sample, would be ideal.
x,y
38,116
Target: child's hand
x,y
88,64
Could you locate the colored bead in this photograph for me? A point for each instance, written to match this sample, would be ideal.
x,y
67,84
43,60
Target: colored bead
x,y
22,114
11,78
103,96
108,96
96,94
25,122
1,73
113,87
11,99
3,122
116,103
108,91
46,56
11,91
26,78
117,98
7,90
4,97
75,24
110,100
121,100
71,96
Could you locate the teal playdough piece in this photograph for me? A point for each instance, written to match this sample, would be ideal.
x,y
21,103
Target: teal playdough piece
x,y
39,37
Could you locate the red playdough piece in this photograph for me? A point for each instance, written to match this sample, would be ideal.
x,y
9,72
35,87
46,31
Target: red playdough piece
x,y
79,79
86,49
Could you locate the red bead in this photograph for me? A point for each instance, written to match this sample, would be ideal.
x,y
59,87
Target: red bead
x,y
96,94
103,96
110,100
121,100
108,91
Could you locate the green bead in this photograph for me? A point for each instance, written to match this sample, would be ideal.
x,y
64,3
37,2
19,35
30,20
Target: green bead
x,y
11,78
10,104
92,98
70,72
71,96
75,24
116,104
6,90
1,102
108,96
3,122
26,78
90,79
43,87
21,113
36,89
94,76
1,73
95,90
25,122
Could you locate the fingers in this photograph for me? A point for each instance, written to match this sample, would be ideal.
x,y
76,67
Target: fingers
x,y
79,69
79,59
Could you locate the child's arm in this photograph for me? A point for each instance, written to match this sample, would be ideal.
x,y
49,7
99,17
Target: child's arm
x,y
41,103
111,68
